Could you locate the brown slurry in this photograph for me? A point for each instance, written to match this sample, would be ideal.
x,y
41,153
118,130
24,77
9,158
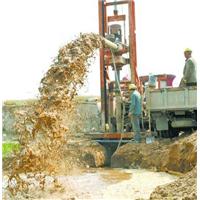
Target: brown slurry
x,y
41,130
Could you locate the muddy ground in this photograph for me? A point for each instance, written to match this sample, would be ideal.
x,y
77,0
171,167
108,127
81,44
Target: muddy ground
x,y
177,156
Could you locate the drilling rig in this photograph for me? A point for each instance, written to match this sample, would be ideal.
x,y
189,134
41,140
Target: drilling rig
x,y
117,25
170,110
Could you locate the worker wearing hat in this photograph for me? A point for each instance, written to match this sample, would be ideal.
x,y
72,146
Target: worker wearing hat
x,y
189,72
135,111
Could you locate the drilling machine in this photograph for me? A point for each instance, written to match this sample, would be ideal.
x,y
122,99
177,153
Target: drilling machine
x,y
170,110
117,25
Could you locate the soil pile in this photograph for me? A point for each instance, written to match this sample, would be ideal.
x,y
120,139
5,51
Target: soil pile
x,y
42,134
178,155
84,153
184,187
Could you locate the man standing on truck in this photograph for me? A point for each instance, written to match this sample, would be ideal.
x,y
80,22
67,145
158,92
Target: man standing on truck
x,y
189,72
135,111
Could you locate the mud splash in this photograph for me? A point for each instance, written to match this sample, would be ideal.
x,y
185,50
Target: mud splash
x,y
41,130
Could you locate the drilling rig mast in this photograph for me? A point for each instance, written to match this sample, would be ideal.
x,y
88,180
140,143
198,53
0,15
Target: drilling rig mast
x,y
119,28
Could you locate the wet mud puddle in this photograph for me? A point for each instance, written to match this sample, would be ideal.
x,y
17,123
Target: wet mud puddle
x,y
108,184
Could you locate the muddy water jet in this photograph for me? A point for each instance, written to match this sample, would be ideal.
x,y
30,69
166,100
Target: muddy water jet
x,y
41,130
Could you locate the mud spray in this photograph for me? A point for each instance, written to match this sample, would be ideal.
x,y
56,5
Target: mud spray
x,y
42,134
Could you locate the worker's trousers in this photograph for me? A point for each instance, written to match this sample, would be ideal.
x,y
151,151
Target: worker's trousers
x,y
135,121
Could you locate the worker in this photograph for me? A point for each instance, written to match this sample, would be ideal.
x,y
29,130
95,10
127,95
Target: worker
x,y
189,72
135,111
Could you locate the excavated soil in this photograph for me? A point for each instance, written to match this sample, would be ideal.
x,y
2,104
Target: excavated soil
x,y
83,153
178,155
183,188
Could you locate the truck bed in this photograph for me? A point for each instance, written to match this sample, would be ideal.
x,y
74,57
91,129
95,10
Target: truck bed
x,y
172,99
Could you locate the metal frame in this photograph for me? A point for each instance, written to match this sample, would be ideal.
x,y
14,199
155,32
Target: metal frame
x,y
103,29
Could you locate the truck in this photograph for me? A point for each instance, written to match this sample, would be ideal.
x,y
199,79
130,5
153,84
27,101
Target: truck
x,y
172,110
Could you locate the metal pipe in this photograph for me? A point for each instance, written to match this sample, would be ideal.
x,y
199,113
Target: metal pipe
x,y
112,45
104,111
104,69
115,7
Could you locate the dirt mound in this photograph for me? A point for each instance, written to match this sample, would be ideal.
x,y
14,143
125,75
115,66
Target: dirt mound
x,y
179,155
184,188
84,153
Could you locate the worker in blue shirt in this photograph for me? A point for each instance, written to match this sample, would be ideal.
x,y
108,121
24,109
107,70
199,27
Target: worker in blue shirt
x,y
135,111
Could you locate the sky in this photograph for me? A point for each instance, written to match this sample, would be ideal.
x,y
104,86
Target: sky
x,y
32,32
